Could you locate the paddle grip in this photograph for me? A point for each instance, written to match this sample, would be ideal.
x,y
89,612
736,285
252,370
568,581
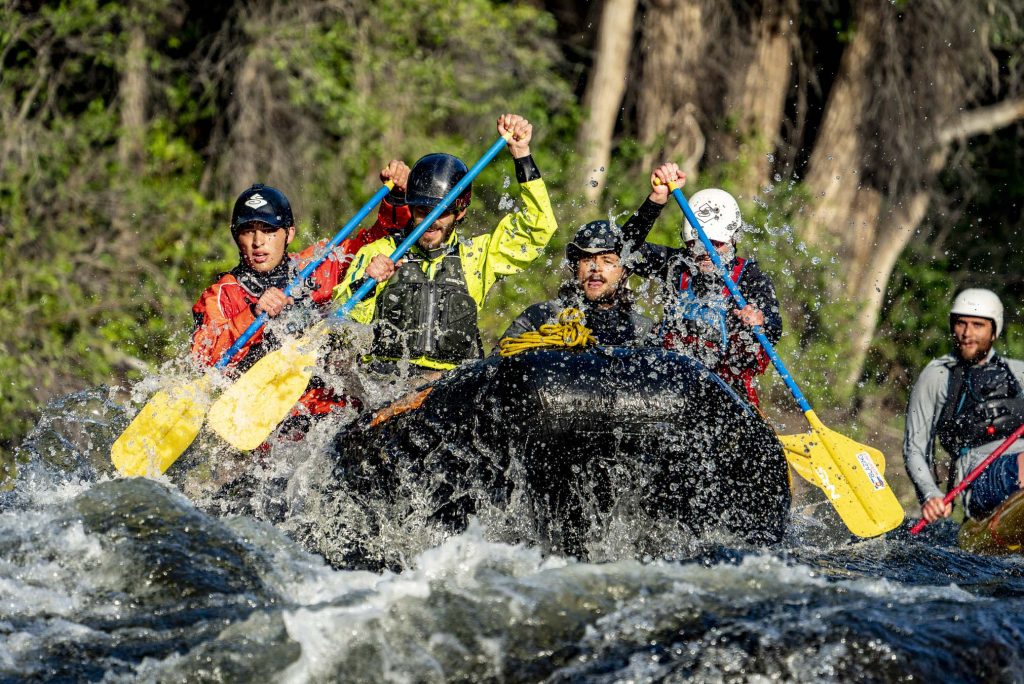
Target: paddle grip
x,y
740,301
313,264
974,474
417,232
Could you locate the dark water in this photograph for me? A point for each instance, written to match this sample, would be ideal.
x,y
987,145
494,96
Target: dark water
x,y
106,579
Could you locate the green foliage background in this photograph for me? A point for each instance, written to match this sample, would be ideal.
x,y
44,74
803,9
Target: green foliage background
x,y
104,250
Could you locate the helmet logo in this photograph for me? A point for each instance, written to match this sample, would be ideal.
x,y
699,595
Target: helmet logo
x,y
256,201
707,211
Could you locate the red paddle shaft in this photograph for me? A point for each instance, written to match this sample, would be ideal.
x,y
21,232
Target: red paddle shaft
x,y
973,475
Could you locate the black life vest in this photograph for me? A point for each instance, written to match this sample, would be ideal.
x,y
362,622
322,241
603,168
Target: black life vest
x,y
419,316
984,403
617,326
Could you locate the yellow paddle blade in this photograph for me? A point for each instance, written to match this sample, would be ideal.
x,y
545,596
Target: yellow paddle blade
x,y
246,414
849,473
162,430
798,448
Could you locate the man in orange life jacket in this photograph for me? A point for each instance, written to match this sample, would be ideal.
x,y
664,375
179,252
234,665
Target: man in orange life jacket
x,y
700,318
262,226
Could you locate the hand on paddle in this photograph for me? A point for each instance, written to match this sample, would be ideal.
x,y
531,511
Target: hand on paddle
x,y
661,177
397,172
272,302
522,134
935,508
381,267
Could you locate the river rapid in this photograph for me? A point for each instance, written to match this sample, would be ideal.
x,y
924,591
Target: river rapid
x,y
182,579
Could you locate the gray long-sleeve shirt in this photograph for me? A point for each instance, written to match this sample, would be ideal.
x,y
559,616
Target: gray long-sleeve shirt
x,y
927,399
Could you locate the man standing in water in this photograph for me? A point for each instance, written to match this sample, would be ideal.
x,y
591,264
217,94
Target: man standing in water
x,y
598,289
971,399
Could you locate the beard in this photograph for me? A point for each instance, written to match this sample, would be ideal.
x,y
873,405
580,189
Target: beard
x,y
980,352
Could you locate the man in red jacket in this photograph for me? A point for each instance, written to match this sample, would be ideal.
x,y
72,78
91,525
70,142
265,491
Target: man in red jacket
x,y
262,226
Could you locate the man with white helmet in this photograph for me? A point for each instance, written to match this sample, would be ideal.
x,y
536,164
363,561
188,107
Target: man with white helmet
x,y
700,317
971,399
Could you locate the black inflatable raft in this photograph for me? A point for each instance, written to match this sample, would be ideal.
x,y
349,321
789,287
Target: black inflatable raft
x,y
567,432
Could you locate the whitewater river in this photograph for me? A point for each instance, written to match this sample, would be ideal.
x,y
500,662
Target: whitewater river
x,y
107,579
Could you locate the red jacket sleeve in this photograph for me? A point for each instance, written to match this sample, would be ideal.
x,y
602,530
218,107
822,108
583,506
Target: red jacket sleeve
x,y
221,316
390,219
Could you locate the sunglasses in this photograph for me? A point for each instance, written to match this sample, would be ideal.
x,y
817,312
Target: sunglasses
x,y
717,244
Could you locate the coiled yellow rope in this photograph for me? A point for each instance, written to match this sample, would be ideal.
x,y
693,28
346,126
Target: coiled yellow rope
x,y
568,332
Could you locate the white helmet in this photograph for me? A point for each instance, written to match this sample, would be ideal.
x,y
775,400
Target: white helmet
x,y
981,303
718,213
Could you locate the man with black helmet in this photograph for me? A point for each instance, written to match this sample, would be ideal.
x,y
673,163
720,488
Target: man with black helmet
x,y
425,308
971,399
262,226
598,288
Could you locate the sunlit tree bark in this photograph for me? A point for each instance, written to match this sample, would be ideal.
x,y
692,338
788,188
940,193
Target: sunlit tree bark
x,y
670,90
133,94
835,171
603,98
757,99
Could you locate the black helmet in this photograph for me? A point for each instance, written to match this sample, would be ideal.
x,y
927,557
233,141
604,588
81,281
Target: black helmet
x,y
432,177
264,204
597,237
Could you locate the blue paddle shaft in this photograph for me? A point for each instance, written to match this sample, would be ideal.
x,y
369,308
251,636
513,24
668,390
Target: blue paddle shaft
x,y
369,283
254,327
740,301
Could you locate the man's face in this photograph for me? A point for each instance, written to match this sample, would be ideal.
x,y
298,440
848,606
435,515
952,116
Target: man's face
x,y
439,230
974,337
262,246
598,276
724,249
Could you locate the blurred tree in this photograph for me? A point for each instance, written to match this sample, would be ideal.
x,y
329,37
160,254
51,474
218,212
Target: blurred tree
x,y
605,88
897,105
130,126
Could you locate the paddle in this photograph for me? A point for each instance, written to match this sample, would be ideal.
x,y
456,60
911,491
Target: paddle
x,y
842,468
172,418
973,475
251,409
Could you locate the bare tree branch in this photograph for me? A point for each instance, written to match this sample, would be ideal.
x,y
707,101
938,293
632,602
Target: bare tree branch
x,y
983,120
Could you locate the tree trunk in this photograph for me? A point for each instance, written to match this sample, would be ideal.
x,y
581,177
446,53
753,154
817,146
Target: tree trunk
x,y
874,274
835,169
673,43
603,97
760,101
251,96
873,264
133,94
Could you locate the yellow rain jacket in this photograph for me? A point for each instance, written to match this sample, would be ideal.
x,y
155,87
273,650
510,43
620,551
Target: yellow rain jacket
x,y
519,239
